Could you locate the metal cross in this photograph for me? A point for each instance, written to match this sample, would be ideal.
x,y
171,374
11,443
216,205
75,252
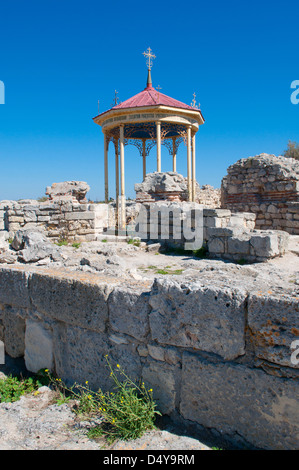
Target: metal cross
x,y
115,101
193,104
149,57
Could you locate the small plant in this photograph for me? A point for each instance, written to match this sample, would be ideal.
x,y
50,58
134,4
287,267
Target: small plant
x,y
42,199
12,388
10,240
76,245
127,413
104,240
62,242
134,242
201,252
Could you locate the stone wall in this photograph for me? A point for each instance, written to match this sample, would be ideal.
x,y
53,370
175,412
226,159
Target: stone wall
x,y
63,218
268,186
225,235
215,355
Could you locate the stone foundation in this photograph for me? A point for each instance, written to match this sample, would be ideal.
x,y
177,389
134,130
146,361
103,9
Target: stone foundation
x,y
215,355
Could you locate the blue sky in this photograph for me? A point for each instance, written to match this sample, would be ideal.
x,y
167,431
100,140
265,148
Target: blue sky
x,y
59,57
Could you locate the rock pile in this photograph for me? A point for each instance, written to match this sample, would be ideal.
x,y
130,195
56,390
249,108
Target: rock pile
x,y
171,186
75,189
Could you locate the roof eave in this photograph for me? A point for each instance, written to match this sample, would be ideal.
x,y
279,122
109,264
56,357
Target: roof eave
x,y
121,111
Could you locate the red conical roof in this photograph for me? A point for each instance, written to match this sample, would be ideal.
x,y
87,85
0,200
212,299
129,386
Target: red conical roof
x,y
151,97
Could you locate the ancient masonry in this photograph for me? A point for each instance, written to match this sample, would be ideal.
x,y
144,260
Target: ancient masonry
x,y
215,350
267,186
215,354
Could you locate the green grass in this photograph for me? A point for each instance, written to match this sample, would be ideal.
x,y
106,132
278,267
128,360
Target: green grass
x,y
62,242
76,245
168,271
134,242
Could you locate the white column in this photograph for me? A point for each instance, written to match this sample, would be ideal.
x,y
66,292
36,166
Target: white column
x,y
116,177
106,167
122,180
189,163
158,127
143,158
193,169
173,155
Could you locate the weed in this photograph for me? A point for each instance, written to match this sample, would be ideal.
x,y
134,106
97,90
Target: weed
x,y
12,388
133,241
76,245
201,252
62,242
164,271
104,240
127,413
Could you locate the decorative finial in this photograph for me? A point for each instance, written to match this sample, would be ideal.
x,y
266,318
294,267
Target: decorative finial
x,y
149,62
193,103
115,100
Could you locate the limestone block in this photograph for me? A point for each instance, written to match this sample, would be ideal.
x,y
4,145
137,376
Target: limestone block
x,y
216,245
88,215
38,346
14,287
129,312
14,331
13,227
43,218
239,245
77,302
225,231
204,318
80,356
16,219
265,244
262,409
161,377
212,222
30,216
156,352
273,324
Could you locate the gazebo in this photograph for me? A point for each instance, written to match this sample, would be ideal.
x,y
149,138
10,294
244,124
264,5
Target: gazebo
x,y
147,119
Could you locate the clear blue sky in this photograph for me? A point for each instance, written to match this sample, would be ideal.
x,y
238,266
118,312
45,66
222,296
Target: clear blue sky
x,y
59,57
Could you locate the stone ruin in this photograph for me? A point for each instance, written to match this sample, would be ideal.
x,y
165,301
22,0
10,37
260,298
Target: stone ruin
x,y
66,216
267,186
64,309
172,186
74,189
